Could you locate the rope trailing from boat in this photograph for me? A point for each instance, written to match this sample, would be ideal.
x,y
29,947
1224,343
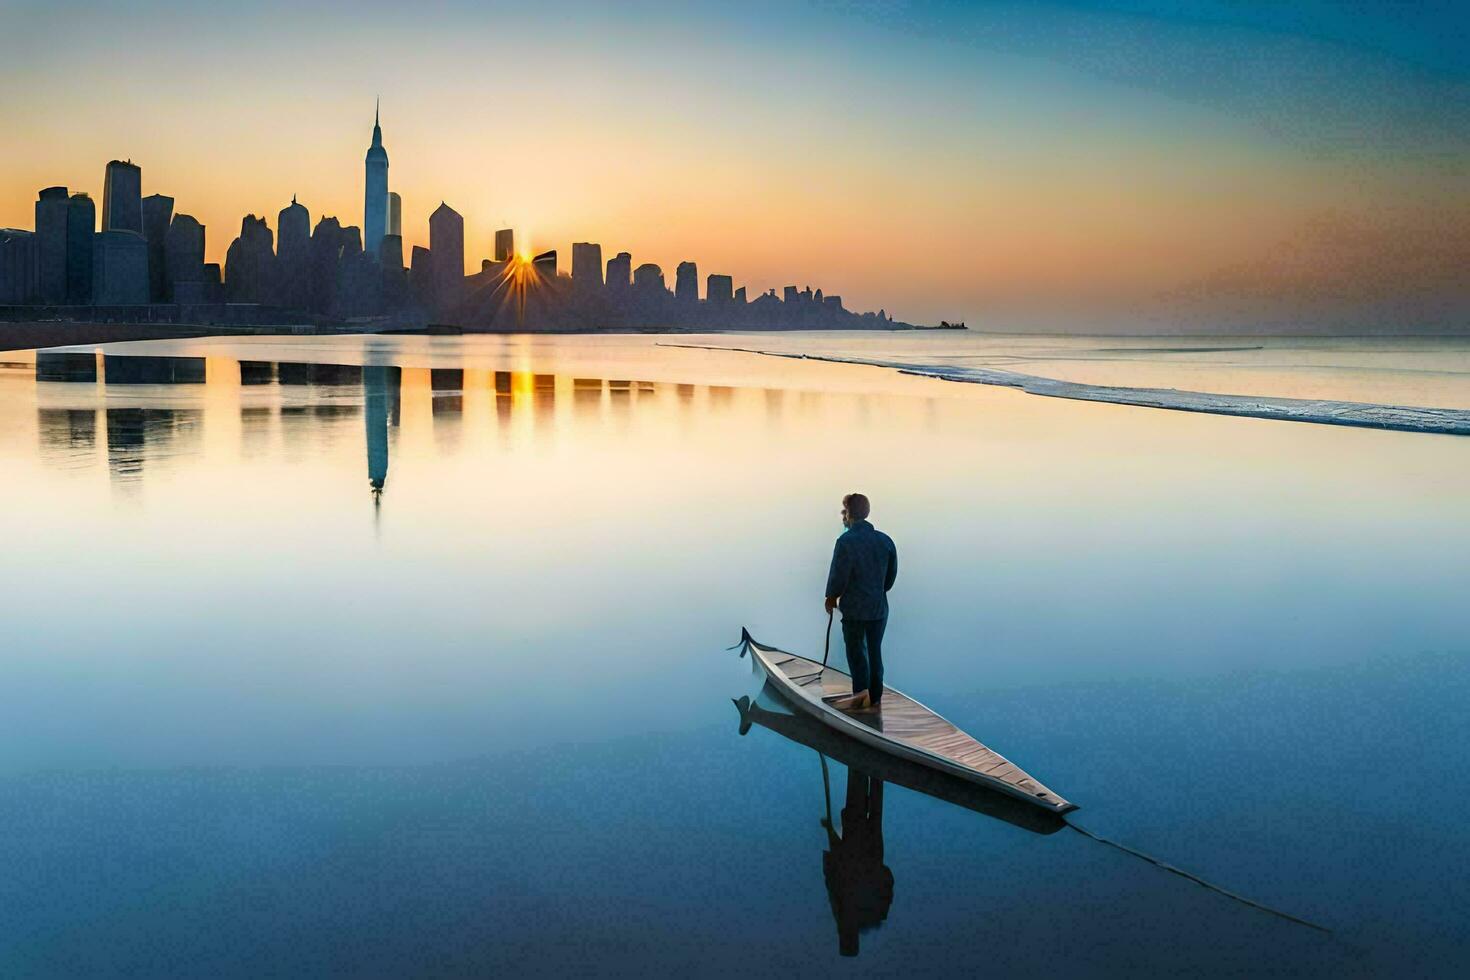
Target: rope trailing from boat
x,y
1196,879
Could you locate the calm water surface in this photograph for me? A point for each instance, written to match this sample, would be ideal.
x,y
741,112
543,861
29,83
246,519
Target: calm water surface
x,y
404,655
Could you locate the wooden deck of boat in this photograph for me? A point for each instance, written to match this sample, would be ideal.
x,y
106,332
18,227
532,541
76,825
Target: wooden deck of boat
x,y
904,719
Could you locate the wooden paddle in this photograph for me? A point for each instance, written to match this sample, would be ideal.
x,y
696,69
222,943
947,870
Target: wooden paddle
x,y
827,647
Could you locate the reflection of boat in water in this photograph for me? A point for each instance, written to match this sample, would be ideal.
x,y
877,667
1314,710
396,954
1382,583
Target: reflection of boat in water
x,y
891,768
903,728
860,884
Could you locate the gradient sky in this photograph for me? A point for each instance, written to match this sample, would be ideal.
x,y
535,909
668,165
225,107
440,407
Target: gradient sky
x,y
1085,165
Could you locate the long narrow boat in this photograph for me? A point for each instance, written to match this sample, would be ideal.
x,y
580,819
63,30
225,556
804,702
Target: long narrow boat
x,y
902,726
805,730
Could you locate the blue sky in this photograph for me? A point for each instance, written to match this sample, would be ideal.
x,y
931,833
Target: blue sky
x,y
1262,162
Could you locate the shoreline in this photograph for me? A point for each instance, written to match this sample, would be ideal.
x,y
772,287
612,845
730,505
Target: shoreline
x,y
1363,415
43,334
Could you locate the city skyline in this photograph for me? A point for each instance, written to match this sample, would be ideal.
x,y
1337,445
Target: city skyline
x,y
1206,165
145,255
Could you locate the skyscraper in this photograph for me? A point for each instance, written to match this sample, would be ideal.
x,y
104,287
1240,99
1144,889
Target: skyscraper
x,y
375,193
587,266
390,253
158,211
545,264
51,210
686,283
395,214
648,278
619,272
183,253
250,264
293,255
122,197
446,249
719,290
326,257
421,272
294,227
81,225
119,269
505,245
17,266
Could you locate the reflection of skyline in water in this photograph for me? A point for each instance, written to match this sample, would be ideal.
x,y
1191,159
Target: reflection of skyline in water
x,y
66,432
134,435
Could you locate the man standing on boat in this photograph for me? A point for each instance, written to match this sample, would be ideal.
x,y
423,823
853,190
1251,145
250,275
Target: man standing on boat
x,y
864,566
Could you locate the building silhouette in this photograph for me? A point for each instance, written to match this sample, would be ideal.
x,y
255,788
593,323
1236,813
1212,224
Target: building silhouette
x,y
183,256
81,225
158,211
119,269
214,283
51,229
326,255
446,252
619,273
395,215
294,227
421,272
390,255
250,264
718,290
648,277
17,266
686,283
587,266
505,245
293,255
375,192
122,197
359,280
545,264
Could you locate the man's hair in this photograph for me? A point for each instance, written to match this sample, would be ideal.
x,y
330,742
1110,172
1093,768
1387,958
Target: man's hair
x,y
858,507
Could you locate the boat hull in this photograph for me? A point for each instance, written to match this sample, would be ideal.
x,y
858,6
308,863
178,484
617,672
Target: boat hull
x,y
902,727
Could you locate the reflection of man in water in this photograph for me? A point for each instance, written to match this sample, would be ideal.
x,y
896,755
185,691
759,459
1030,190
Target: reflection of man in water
x,y
859,884
864,566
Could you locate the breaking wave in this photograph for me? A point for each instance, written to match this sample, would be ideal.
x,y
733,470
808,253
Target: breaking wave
x,y
1367,415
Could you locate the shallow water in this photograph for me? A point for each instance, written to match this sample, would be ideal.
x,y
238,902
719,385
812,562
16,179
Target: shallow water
x,y
1407,371
253,720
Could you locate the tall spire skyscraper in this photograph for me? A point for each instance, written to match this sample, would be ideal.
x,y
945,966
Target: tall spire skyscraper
x,y
375,193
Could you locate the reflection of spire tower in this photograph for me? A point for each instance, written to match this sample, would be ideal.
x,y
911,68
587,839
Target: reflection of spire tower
x,y
375,194
380,390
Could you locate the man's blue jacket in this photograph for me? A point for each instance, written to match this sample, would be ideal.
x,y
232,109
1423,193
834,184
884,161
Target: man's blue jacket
x,y
864,567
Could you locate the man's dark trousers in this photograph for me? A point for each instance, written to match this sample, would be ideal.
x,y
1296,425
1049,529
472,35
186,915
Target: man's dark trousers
x,y
864,641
